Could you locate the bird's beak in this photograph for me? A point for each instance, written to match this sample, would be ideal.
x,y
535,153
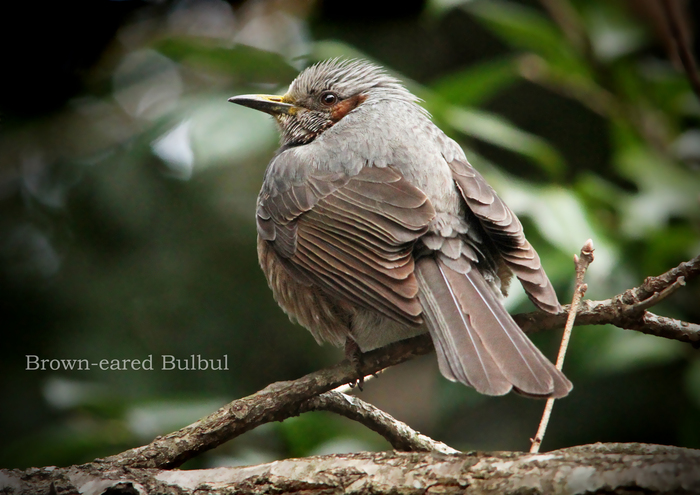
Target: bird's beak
x,y
274,105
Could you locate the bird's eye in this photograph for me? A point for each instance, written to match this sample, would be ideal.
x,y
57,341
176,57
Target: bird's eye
x,y
328,98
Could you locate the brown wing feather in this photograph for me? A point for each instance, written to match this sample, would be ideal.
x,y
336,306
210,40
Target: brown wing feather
x,y
506,231
353,237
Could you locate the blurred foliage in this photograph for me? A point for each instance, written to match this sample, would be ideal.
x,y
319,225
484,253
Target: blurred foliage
x,y
126,225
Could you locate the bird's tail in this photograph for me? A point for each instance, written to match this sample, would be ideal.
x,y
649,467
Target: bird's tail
x,y
476,340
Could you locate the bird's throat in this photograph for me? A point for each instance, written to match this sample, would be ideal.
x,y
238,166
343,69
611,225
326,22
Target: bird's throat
x,y
304,126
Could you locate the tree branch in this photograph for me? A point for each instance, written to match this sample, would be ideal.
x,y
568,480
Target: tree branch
x,y
283,400
598,468
401,436
276,402
669,328
628,310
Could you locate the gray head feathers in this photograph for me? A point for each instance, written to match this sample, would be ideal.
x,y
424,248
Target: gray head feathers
x,y
348,78
322,95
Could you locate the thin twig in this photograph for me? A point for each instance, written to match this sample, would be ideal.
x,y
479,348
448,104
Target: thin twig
x,y
581,263
401,436
621,310
681,43
657,297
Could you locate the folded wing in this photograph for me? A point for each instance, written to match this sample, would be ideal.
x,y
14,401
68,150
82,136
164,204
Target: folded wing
x,y
353,236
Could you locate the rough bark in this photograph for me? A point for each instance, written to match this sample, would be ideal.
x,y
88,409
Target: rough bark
x,y
598,468
614,468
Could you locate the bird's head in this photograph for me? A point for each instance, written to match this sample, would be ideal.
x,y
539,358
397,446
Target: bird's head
x,y
324,94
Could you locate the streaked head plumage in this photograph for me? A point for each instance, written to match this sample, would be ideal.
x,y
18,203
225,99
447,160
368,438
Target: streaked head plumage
x,y
324,94
347,78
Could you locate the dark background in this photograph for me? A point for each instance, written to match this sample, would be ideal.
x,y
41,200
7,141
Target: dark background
x,y
128,185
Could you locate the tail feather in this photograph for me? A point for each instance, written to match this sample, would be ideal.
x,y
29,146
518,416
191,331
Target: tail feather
x,y
461,354
476,340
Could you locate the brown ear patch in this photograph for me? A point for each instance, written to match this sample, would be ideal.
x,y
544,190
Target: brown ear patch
x,y
342,108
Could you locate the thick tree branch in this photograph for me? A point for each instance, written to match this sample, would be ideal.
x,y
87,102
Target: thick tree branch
x,y
276,402
598,468
282,400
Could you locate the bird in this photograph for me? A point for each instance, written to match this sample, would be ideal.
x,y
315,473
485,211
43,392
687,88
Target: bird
x,y
373,227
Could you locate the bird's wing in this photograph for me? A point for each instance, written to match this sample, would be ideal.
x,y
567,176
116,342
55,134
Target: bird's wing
x,y
353,236
506,231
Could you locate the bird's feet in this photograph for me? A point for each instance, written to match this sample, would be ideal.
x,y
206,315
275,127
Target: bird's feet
x,y
353,354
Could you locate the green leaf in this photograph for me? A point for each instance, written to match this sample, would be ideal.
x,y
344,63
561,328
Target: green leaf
x,y
318,432
525,28
322,50
558,214
618,351
666,190
437,8
226,134
613,32
256,64
519,26
498,131
158,417
473,86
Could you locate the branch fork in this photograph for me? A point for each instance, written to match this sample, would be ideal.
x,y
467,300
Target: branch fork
x,y
286,399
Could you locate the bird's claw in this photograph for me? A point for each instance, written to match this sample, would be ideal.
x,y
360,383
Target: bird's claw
x,y
353,354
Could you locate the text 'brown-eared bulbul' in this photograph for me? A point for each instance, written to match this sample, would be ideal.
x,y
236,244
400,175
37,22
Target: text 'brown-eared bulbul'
x,y
373,226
